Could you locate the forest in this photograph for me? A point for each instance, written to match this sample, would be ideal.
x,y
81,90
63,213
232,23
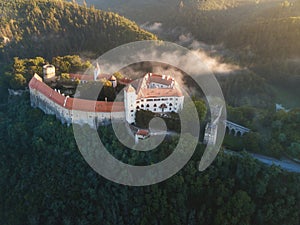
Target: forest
x,y
47,181
49,28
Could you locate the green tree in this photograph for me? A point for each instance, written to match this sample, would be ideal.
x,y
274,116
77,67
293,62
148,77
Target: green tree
x,y
252,141
18,82
199,106
238,210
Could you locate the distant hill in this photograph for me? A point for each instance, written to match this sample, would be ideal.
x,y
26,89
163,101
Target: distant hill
x,y
262,35
215,4
273,33
55,27
205,18
158,10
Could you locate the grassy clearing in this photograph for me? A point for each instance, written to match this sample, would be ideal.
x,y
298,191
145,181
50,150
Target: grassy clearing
x,y
289,98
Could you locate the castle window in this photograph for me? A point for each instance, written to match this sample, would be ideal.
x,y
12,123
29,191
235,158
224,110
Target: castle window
x,y
170,104
131,110
154,105
137,107
147,106
142,106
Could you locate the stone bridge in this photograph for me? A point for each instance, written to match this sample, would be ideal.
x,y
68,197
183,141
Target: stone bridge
x,y
236,129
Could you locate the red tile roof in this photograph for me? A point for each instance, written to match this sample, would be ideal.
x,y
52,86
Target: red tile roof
x,y
74,104
145,92
36,83
167,80
94,106
125,81
142,132
112,78
159,92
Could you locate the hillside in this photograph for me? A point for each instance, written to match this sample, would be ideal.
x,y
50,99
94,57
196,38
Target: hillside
x,y
160,10
56,27
273,33
264,28
207,20
261,35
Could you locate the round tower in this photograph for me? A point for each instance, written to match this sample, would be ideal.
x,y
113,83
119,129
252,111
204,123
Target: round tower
x,y
130,103
49,72
113,80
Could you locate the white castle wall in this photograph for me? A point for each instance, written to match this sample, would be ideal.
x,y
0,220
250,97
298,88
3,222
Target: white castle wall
x,y
93,119
132,103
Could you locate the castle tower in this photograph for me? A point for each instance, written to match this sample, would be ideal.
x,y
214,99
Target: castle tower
x,y
97,72
113,80
49,72
130,104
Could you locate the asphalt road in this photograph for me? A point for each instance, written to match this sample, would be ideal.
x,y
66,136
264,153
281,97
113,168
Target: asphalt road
x,y
285,164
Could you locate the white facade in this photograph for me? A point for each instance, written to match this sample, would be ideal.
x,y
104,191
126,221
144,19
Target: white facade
x,y
160,105
130,104
65,115
156,93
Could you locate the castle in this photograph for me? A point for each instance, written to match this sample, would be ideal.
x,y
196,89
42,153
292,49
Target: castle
x,y
156,93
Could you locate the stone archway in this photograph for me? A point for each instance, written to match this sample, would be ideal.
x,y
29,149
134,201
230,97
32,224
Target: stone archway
x,y
163,106
238,133
236,129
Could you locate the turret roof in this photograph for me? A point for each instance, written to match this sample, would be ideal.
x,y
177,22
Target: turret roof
x,y
130,88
